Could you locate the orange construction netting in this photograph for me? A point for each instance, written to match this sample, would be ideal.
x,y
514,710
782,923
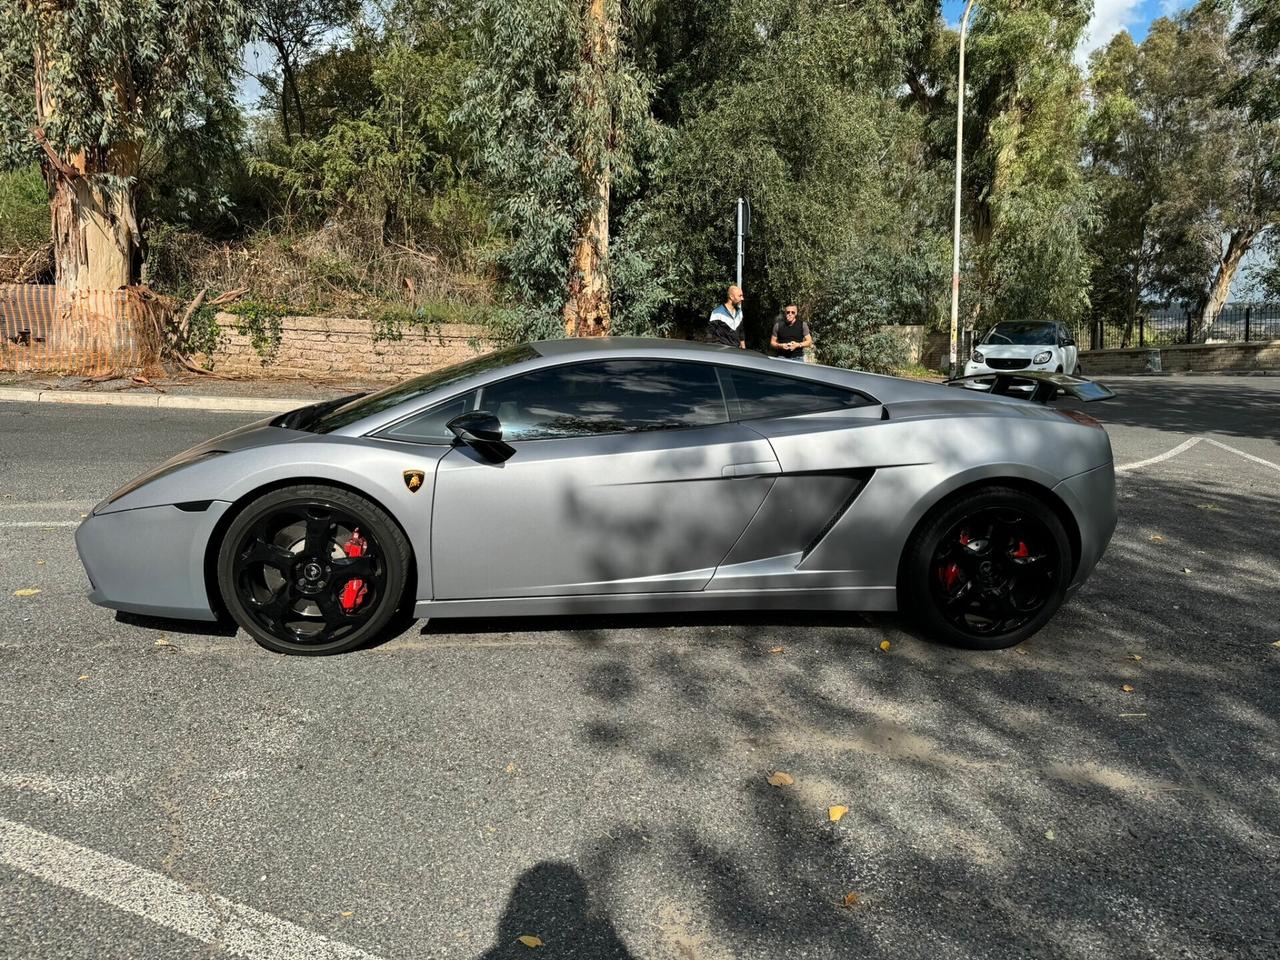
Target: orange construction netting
x,y
79,332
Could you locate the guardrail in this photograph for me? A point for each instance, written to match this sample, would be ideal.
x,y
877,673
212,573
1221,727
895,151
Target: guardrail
x,y
1236,323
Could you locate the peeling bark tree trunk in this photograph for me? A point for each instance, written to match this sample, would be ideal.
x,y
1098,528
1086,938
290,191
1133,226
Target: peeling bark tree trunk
x,y
586,312
1237,246
96,241
95,233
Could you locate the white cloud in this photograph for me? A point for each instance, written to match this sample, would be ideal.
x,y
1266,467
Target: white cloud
x,y
1109,18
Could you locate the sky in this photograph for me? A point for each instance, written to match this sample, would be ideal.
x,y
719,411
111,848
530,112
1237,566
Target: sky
x,y
1109,18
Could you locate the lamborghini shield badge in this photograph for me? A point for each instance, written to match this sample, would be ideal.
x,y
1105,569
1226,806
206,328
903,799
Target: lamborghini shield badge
x,y
413,480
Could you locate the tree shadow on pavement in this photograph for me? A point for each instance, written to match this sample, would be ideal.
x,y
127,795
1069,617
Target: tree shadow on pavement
x,y
1007,804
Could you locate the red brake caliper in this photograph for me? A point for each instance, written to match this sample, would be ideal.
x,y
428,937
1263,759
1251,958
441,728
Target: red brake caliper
x,y
353,592
1021,552
951,572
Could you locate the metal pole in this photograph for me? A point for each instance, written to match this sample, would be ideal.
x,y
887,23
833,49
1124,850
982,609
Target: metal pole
x,y
1248,316
955,257
742,245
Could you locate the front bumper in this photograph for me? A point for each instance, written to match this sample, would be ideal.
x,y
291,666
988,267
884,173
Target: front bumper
x,y
150,560
1091,498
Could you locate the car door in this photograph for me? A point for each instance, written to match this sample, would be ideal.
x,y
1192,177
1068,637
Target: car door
x,y
627,477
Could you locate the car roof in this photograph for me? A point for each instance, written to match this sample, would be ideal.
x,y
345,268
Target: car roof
x,y
643,345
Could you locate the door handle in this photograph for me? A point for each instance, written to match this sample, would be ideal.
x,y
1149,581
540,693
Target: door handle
x,y
759,468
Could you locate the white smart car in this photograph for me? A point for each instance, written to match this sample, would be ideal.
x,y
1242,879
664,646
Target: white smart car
x,y
1025,345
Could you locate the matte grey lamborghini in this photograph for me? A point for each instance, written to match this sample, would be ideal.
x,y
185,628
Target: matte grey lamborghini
x,y
591,476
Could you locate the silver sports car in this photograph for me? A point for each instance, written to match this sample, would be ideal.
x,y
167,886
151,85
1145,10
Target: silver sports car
x,y
592,476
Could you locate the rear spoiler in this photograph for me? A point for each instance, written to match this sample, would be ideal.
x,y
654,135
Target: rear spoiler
x,y
1036,385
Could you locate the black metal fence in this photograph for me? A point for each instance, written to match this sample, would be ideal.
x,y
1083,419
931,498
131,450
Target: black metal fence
x,y
1236,323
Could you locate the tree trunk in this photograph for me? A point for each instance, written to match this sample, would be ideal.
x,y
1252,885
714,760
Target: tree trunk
x,y
96,240
586,312
95,232
1237,246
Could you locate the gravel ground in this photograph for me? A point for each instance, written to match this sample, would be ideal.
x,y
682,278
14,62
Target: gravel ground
x,y
601,783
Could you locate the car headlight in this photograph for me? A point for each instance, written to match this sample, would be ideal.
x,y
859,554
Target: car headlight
x,y
977,356
1044,356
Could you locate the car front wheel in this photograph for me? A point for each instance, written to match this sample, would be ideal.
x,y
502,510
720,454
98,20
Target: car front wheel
x,y
987,570
313,570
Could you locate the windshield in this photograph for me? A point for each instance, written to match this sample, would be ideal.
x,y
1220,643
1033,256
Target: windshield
x,y
1022,333
363,407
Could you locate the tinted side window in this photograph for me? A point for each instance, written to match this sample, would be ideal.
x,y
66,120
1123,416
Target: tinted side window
x,y
606,396
429,425
764,395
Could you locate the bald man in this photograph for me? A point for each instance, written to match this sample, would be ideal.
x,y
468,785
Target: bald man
x,y
725,325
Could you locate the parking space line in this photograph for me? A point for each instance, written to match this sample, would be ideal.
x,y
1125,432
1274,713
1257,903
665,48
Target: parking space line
x,y
9,524
1241,453
235,928
1180,448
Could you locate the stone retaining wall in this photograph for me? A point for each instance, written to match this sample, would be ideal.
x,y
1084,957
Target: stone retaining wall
x,y
318,348
1186,358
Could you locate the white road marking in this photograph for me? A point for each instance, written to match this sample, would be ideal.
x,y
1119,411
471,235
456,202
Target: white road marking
x,y
1241,453
10,524
1187,445
1180,448
211,919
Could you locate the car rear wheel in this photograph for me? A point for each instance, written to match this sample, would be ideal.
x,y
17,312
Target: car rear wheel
x,y
313,570
987,570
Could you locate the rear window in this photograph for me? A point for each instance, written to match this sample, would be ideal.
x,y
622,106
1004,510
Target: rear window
x,y
764,395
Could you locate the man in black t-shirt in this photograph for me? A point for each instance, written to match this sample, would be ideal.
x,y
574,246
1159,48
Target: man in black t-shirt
x,y
790,335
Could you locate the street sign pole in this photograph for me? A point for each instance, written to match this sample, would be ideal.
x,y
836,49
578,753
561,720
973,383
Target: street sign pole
x,y
954,370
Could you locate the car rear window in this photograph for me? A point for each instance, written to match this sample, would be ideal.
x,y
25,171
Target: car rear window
x,y
765,395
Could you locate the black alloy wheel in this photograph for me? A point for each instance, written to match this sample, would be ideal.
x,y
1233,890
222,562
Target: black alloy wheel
x,y
988,570
313,570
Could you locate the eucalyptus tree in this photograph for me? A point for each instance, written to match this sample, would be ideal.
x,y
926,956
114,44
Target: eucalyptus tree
x,y
85,87
1029,206
559,110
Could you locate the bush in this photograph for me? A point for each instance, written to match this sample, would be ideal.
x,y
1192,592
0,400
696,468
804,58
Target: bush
x,y
24,210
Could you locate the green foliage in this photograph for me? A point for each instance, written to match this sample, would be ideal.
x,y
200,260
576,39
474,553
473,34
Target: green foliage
x,y
113,71
24,209
535,132
262,323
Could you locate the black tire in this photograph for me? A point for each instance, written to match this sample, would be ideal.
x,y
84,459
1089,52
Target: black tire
x,y
986,569
287,578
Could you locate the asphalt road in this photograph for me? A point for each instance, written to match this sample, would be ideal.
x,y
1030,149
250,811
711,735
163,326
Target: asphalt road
x,y
601,784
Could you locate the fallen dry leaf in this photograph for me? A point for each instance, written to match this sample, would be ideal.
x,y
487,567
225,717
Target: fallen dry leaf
x,y
884,645
1127,688
776,649
1186,569
162,642
781,779
835,813
39,563
1135,656
347,913
530,941
849,900
511,768
26,592
1208,506
1276,644
1050,835
1020,651
83,676
1157,538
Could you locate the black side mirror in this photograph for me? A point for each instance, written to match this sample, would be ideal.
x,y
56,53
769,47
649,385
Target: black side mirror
x,y
482,431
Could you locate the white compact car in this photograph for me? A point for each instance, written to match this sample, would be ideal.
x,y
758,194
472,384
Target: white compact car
x,y
1025,345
